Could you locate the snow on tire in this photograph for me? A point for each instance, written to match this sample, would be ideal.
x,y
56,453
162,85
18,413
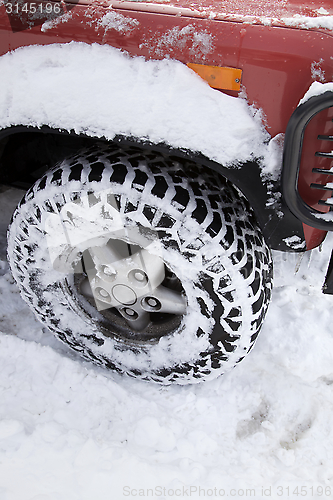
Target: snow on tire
x,y
145,263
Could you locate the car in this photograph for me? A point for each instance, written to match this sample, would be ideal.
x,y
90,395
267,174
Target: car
x,y
165,149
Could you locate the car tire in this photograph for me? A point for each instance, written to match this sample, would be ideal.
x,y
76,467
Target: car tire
x,y
189,235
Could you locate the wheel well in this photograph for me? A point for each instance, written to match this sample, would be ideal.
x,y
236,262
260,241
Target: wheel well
x,y
27,153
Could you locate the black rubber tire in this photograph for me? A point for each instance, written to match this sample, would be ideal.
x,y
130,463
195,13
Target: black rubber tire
x,y
210,240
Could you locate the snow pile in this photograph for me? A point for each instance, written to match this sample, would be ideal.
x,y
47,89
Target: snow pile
x,y
100,91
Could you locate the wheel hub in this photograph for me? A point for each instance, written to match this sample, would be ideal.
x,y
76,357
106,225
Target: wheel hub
x,y
129,279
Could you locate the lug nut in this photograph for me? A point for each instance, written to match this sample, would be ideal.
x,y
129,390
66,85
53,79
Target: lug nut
x,y
138,277
109,271
152,302
130,313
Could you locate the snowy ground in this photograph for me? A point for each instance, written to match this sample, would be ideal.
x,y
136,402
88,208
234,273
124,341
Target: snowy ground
x,y
71,431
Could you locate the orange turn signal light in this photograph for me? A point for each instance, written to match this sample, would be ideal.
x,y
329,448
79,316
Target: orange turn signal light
x,y
219,77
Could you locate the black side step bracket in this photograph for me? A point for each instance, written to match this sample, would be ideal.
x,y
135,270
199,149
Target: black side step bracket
x,y
292,159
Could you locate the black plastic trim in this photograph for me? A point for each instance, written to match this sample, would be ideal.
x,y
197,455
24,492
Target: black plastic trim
x,y
328,283
292,158
44,129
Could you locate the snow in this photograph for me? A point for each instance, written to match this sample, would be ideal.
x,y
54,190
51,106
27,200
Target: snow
x,y
316,88
110,93
72,431
295,242
296,21
325,21
271,169
200,41
317,73
118,22
323,11
54,22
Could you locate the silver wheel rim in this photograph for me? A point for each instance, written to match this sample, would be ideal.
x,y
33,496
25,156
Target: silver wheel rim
x,y
136,293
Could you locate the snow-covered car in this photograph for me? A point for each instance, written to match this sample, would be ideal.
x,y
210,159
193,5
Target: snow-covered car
x,y
149,138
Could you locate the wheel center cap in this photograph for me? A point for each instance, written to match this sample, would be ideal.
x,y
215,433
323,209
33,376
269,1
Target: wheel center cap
x,y
124,294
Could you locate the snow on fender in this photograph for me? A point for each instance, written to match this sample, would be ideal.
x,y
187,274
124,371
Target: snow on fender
x,y
110,93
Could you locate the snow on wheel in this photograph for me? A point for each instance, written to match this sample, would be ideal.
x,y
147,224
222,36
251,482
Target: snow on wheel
x,y
143,262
